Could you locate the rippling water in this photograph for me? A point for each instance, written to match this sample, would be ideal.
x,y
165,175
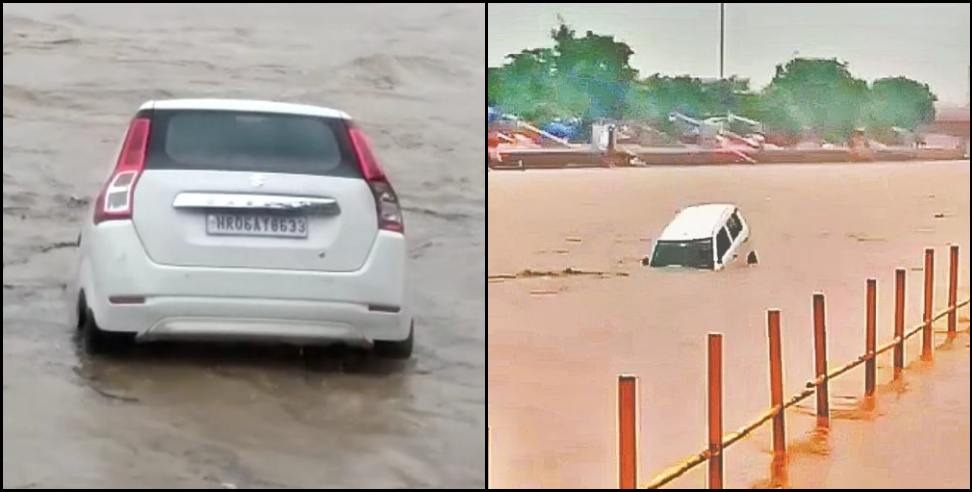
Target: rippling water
x,y
186,415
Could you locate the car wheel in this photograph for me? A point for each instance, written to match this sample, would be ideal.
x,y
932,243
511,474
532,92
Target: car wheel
x,y
396,349
93,340
96,341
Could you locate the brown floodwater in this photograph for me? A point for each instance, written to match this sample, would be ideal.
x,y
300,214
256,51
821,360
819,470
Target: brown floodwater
x,y
557,343
189,415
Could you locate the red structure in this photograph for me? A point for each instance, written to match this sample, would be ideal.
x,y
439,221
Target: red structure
x,y
949,120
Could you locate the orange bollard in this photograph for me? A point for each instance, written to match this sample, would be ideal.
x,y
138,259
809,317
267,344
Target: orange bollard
x,y
870,367
820,362
926,338
715,410
953,259
627,432
899,310
776,382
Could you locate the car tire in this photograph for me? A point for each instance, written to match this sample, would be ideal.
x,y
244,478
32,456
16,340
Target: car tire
x,y
396,349
95,341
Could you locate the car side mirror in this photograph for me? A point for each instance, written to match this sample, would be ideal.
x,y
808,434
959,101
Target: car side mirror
x,y
645,261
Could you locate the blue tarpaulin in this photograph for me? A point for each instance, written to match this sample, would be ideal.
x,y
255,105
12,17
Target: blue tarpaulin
x,y
561,130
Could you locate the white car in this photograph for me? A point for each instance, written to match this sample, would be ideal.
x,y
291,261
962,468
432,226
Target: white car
x,y
244,220
710,236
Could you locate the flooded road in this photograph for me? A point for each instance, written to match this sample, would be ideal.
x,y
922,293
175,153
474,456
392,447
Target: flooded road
x,y
198,415
558,343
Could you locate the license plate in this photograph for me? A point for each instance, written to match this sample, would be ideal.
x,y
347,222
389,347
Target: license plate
x,y
256,225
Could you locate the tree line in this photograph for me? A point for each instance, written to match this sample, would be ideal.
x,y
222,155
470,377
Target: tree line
x,y
590,77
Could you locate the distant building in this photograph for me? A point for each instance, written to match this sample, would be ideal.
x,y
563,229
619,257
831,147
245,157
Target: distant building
x,y
950,119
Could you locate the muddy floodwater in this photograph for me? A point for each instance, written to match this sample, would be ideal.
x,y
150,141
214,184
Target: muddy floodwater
x,y
202,415
558,342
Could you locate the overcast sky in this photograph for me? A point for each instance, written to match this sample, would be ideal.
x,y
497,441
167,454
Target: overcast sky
x,y
927,42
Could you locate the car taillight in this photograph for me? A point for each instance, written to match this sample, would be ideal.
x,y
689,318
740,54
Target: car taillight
x,y
386,201
115,201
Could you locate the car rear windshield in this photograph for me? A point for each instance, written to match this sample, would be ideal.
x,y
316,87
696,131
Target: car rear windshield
x,y
691,254
249,141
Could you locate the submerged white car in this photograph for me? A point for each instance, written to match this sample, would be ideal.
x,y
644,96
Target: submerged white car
x,y
244,220
708,236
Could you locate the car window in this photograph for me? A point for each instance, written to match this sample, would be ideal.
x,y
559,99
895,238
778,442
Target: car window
x,y
249,141
722,243
735,225
691,254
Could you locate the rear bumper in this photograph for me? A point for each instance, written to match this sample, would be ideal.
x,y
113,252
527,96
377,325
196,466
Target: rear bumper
x,y
212,318
296,306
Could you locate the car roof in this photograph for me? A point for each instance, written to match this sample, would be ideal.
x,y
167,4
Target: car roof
x,y
697,222
245,105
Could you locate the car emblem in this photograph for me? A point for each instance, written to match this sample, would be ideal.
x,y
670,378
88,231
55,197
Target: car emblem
x,y
257,180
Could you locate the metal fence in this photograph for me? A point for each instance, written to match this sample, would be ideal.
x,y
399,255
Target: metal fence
x,y
819,386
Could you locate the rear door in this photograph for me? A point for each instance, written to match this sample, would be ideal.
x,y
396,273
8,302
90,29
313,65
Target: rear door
x,y
253,190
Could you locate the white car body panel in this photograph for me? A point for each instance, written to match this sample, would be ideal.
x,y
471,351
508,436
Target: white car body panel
x,y
159,275
704,222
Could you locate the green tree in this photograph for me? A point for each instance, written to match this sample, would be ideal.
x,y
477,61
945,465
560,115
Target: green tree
x,y
585,76
820,94
593,72
655,97
523,86
901,102
493,86
590,76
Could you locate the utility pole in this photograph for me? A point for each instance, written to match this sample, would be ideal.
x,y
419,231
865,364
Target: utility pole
x,y
722,40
